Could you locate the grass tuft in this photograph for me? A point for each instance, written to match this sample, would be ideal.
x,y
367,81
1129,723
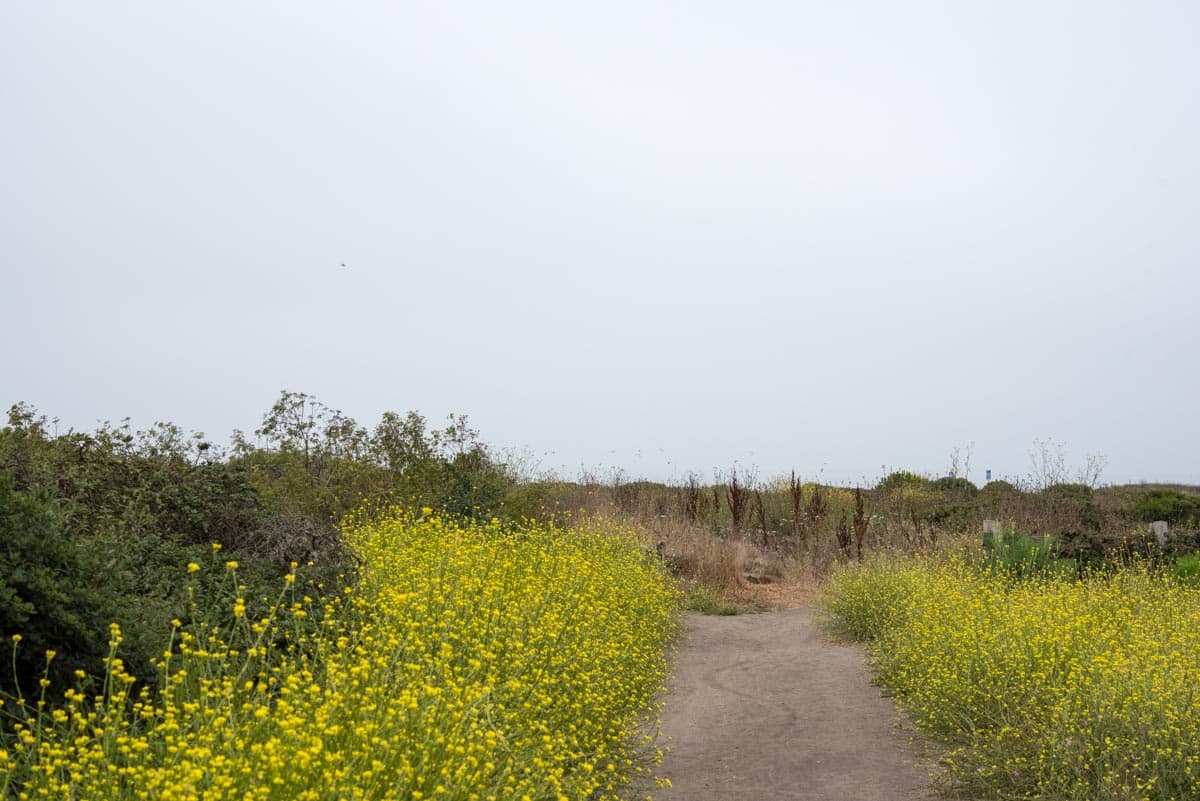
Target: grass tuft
x,y
702,599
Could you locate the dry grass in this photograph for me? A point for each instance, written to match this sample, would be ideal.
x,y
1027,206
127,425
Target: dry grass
x,y
707,542
771,545
734,567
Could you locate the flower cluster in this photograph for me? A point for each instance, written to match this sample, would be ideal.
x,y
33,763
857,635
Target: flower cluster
x,y
1043,688
467,662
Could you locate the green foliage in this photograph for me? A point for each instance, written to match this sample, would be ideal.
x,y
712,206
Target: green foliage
x,y
1079,495
954,487
535,500
96,527
1174,507
646,486
119,484
996,499
48,594
703,600
321,463
908,496
996,495
1017,556
1072,505
952,503
1186,569
901,479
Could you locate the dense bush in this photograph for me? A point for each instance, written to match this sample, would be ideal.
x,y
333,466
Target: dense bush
x,y
1016,555
900,479
1072,506
48,595
535,500
955,487
999,489
1074,494
952,503
95,526
1174,507
310,459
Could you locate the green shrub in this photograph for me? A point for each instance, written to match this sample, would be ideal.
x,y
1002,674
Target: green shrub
x,y
900,479
1174,507
953,504
535,500
320,462
951,485
1074,494
48,595
1072,505
473,486
1018,556
1186,569
1000,488
95,528
996,495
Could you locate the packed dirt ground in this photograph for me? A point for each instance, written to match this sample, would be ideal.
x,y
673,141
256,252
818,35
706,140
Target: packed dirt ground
x,y
767,706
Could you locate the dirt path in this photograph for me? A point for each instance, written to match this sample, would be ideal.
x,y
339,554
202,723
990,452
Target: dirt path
x,y
764,707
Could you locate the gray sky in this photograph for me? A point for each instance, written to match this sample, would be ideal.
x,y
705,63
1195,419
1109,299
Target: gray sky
x,y
655,236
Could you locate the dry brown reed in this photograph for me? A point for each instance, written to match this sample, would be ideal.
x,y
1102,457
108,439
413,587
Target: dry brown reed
x,y
738,496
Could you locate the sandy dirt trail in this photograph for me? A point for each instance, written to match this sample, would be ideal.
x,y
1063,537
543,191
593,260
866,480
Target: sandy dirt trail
x,y
766,706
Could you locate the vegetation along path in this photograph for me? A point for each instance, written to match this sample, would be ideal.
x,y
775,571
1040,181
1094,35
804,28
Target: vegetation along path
x,y
765,706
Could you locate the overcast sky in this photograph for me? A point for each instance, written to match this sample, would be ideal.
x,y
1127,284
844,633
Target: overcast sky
x,y
657,237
